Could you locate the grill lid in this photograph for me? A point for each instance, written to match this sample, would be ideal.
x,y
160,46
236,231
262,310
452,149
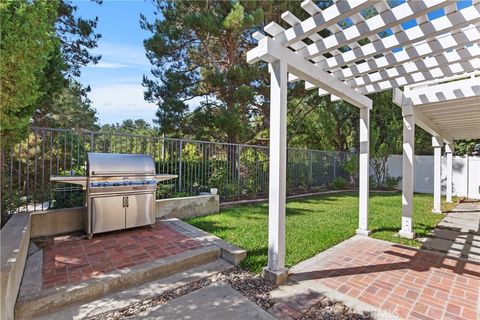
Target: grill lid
x,y
114,164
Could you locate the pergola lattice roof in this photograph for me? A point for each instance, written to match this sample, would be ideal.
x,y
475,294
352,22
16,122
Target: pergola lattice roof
x,y
424,45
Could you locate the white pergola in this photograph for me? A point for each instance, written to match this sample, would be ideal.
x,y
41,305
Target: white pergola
x,y
430,48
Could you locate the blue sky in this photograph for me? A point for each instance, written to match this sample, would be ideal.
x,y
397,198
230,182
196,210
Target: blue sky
x,y
117,92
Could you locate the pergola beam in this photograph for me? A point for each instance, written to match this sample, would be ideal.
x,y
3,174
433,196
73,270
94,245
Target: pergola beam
x,y
430,74
320,19
435,46
431,127
448,23
441,62
444,92
420,119
372,26
270,50
451,106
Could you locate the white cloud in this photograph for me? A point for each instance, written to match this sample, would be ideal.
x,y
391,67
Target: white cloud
x,y
117,102
116,83
108,65
116,54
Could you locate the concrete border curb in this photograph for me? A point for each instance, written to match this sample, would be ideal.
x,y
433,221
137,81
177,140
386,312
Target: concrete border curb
x,y
229,252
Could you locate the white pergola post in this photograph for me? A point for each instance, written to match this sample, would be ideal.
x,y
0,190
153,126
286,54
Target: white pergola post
x,y
408,170
275,270
449,153
364,172
437,144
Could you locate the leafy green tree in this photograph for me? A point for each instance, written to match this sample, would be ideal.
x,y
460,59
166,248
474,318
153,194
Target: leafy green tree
x,y
64,98
77,37
136,127
43,47
68,108
385,134
465,147
198,53
27,41
317,123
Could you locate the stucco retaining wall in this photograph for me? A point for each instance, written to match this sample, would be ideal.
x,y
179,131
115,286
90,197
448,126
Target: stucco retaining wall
x,y
188,207
53,222
15,238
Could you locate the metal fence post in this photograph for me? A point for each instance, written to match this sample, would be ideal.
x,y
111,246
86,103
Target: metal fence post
x,y
334,165
92,141
180,167
238,162
163,146
310,167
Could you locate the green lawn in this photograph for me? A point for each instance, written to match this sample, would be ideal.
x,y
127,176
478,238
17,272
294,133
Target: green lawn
x,y
315,224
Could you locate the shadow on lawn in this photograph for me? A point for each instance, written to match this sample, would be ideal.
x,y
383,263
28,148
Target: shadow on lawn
x,y
209,226
297,212
421,230
325,199
256,259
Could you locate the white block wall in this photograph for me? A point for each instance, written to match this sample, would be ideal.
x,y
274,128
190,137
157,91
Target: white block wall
x,y
466,174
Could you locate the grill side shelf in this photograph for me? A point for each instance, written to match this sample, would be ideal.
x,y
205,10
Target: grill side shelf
x,y
79,180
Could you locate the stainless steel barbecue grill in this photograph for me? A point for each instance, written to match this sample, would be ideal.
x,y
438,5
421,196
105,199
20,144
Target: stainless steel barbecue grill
x,y
120,191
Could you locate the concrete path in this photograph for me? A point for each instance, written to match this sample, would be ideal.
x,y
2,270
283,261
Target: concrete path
x,y
458,234
217,301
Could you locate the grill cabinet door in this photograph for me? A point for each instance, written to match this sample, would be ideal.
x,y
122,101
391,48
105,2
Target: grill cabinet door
x,y
140,210
108,214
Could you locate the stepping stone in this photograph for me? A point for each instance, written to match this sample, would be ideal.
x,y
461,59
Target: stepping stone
x,y
216,301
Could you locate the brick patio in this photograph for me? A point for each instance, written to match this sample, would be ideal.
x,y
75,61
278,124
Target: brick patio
x,y
72,259
392,279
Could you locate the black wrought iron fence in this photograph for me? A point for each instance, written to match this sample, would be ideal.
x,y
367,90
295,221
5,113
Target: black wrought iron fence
x,y
237,171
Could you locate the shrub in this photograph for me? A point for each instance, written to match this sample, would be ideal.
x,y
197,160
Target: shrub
x,y
391,183
339,183
352,167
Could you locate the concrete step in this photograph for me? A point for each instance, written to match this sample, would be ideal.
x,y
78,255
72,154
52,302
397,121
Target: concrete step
x,y
459,250
127,297
46,301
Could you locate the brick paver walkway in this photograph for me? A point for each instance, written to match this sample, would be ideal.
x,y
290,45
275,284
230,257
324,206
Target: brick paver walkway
x,y
392,279
72,259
